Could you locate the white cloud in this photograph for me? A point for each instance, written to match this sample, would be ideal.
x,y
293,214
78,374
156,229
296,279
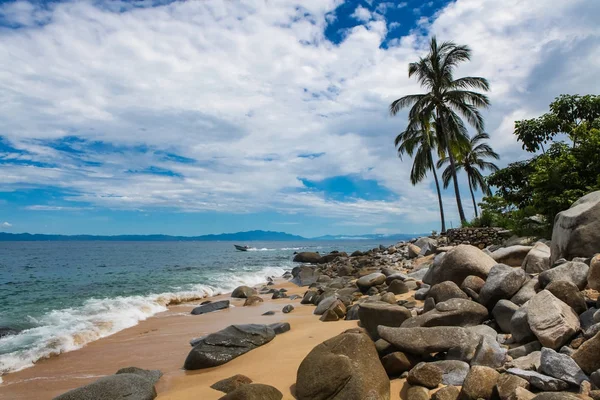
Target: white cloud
x,y
244,90
6,225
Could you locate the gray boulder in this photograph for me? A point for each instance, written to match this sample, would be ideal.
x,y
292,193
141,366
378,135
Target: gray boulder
x,y
210,307
242,292
344,367
458,263
503,312
452,312
538,259
305,275
573,271
454,372
576,231
473,283
502,282
398,287
368,281
423,241
489,353
223,346
552,321
561,367
124,386
540,381
519,326
324,305
512,255
372,315
445,291
527,291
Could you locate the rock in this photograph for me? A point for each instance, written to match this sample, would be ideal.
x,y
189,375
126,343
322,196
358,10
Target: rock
x,y
576,231
419,274
417,393
530,362
552,321
307,257
329,316
458,263
527,291
287,309
425,374
242,292
568,293
6,331
352,313
594,273
540,381
398,287
223,346
473,283
372,315
413,251
254,391
421,294
230,384
454,372
447,393
587,318
489,353
305,275
524,350
279,294
588,355
479,383
502,283
512,255
253,301
396,363
424,341
507,385
503,313
324,305
561,367
453,312
368,281
343,367
427,250
120,386
556,396
151,375
309,297
422,241
357,253
389,298
573,271
271,312
280,327
538,259
519,325
210,307
446,290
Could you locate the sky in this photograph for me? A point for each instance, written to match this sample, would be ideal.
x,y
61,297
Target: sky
x,y
189,118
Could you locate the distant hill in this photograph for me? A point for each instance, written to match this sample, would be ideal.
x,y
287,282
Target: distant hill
x,y
266,236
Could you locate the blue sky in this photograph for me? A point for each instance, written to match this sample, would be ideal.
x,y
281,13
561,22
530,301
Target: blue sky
x,y
190,118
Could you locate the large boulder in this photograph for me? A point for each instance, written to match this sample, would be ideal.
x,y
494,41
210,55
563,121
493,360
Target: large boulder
x,y
568,293
588,355
458,263
254,391
125,386
210,307
538,259
453,312
561,366
502,283
445,291
574,272
345,367
479,383
367,281
512,255
413,250
527,291
425,374
305,275
223,346
576,231
552,321
593,274
503,312
424,341
307,257
372,315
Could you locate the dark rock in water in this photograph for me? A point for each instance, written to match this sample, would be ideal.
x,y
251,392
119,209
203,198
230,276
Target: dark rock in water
x,y
453,312
152,375
445,291
230,384
223,346
425,374
372,315
210,307
269,313
243,292
254,391
357,253
6,331
280,327
343,367
288,309
121,386
568,293
305,275
502,282
307,257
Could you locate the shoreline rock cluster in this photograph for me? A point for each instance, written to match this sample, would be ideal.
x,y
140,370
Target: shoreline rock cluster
x,y
457,322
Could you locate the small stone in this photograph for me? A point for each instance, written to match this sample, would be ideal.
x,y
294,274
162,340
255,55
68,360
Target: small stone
x,y
507,385
425,374
230,384
288,309
479,383
447,393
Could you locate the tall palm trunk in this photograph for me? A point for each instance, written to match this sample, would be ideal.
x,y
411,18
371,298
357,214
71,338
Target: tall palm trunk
x,y
439,193
473,197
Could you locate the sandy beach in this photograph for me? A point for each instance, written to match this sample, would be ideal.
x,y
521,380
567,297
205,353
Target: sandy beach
x,y
162,342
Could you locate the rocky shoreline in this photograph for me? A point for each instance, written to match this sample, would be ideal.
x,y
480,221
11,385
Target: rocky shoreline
x,y
455,322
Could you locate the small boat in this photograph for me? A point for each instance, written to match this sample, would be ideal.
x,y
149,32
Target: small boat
x,y
241,248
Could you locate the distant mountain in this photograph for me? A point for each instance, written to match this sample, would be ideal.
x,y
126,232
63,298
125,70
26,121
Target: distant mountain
x,y
237,237
266,236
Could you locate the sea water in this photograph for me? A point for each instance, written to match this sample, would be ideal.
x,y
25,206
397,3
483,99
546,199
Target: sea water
x,y
59,296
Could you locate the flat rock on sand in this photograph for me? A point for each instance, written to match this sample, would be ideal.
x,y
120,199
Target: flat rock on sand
x,y
345,367
225,345
114,387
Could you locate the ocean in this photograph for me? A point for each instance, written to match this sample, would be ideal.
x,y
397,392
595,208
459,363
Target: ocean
x,y
59,296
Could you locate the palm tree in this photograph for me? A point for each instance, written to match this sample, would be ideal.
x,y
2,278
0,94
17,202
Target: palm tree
x,y
420,136
471,159
446,98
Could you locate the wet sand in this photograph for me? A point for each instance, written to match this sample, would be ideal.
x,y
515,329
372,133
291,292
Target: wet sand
x,y
162,342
